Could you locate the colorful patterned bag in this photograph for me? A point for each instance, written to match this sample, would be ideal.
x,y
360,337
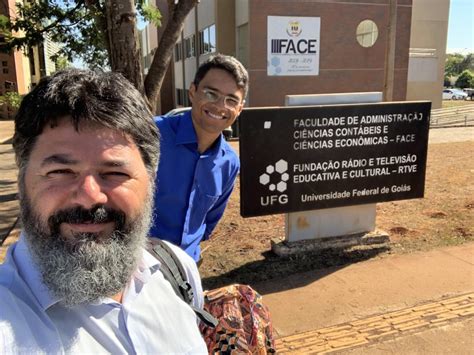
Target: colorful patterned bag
x,y
244,322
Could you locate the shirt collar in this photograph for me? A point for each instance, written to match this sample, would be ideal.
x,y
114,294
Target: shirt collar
x,y
147,267
186,134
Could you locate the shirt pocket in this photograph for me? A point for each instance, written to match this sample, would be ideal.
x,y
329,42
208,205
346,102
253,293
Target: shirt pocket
x,y
200,204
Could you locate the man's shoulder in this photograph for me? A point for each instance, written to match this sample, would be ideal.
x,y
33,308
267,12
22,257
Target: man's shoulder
x,y
19,313
172,120
9,275
15,295
191,271
12,303
164,122
24,326
161,121
187,262
172,126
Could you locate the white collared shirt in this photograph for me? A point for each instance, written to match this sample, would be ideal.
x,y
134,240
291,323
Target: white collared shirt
x,y
150,320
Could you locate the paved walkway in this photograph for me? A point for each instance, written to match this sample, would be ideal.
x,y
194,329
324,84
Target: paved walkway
x,y
6,131
8,193
377,304
421,303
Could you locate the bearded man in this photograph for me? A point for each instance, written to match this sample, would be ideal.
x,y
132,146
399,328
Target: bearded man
x,y
79,279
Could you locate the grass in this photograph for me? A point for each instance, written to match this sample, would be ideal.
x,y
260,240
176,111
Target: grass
x,y
456,103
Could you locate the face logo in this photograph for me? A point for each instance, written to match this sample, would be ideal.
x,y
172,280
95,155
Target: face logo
x,y
275,176
294,29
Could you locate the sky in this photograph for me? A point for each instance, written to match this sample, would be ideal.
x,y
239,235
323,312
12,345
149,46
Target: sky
x,y
461,27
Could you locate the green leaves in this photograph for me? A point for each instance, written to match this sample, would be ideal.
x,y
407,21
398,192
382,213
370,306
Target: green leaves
x,y
74,24
465,80
11,98
456,63
151,14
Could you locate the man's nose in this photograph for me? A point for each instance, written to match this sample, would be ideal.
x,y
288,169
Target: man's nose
x,y
89,192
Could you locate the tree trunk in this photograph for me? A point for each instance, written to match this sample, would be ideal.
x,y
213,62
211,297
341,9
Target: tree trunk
x,y
162,57
122,36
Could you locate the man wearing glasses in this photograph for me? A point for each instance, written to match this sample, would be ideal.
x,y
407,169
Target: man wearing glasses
x,y
198,168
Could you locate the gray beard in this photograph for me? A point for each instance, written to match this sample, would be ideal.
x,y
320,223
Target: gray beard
x,y
92,268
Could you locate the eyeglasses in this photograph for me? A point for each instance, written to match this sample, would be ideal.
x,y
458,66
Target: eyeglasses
x,y
212,96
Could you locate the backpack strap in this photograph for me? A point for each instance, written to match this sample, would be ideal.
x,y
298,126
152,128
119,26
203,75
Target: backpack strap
x,y
174,273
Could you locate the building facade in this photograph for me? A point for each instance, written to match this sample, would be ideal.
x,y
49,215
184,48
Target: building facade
x,y
15,67
22,70
429,33
41,63
392,46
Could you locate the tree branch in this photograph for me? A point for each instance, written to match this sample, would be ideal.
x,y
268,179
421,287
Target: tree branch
x,y
62,18
162,57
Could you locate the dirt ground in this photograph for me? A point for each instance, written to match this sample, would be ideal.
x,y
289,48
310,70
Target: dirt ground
x,y
240,251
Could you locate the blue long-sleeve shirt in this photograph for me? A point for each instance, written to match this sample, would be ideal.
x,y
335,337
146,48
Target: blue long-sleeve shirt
x,y
192,188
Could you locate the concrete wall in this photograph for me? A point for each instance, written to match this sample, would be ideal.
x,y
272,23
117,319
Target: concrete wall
x,y
50,49
190,63
23,76
345,66
206,13
242,40
167,92
428,50
225,26
241,12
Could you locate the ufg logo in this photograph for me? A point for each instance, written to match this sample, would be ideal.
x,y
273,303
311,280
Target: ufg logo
x,y
275,177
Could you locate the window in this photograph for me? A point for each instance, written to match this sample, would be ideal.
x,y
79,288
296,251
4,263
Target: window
x,y
201,42
212,38
179,97
178,52
5,70
9,85
31,58
182,97
186,98
4,63
189,46
367,33
207,40
243,44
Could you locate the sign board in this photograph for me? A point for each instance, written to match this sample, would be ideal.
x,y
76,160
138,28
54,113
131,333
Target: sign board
x,y
314,157
293,45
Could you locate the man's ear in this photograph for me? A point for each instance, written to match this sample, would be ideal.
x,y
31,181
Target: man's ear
x,y
192,92
241,107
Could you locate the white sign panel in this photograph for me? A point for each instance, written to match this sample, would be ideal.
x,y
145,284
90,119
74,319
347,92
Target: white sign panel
x,y
293,45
